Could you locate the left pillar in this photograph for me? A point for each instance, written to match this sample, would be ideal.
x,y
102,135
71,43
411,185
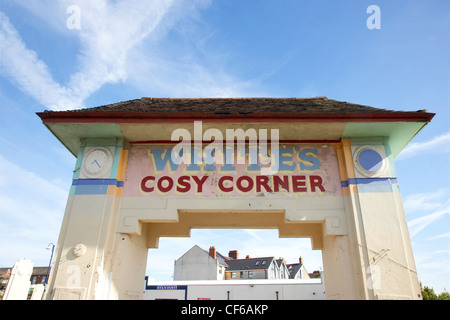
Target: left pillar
x,y
83,256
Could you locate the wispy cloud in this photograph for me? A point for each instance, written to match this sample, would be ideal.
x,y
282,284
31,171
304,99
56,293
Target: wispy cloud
x,y
431,206
441,236
23,67
440,144
418,224
110,31
425,201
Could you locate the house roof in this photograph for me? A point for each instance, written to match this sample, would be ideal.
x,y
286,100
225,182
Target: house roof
x,y
279,262
4,272
229,107
293,269
260,263
155,119
222,259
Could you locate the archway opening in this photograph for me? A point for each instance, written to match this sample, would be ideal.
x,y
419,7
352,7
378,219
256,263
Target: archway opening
x,y
252,242
250,232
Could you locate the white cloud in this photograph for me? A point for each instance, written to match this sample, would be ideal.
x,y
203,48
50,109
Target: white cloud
x,y
25,69
440,236
425,201
440,144
110,31
417,225
431,206
186,71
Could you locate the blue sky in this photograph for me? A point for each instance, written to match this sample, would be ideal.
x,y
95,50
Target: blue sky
x,y
204,48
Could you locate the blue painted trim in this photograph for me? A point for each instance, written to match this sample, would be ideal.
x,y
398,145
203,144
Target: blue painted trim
x,y
361,181
97,182
93,186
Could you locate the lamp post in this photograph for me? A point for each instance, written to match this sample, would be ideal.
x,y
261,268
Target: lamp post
x,y
50,245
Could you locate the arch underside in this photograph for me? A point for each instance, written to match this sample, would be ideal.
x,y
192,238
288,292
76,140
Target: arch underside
x,y
233,219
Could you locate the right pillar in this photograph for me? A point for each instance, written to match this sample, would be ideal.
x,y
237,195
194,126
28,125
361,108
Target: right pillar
x,y
375,259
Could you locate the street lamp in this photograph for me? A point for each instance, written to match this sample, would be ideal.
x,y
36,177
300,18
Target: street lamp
x,y
50,245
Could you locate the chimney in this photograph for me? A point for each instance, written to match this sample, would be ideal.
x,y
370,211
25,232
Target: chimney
x,y
212,252
300,260
234,254
247,256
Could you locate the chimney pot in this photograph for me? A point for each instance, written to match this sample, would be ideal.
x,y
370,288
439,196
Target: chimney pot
x,y
212,252
234,254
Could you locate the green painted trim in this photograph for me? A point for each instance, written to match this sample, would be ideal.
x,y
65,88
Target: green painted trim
x,y
76,171
399,134
390,160
115,164
101,142
366,141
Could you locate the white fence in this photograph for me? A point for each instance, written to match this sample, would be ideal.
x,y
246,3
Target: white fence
x,y
307,289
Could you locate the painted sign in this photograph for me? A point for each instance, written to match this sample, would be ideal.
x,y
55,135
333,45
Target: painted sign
x,y
309,170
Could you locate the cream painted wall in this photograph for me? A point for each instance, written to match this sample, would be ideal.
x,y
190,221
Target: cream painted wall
x,y
102,249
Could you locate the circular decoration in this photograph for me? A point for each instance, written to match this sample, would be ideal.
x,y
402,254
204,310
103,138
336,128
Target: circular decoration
x,y
79,250
370,160
97,161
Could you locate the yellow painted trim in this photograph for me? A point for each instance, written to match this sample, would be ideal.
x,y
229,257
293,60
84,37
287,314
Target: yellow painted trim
x,y
345,165
114,190
348,159
122,168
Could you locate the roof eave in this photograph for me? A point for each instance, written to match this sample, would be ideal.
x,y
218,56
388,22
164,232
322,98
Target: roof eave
x,y
136,117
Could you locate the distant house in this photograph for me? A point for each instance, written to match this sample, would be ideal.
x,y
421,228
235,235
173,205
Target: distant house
x,y
199,264
256,268
38,276
298,270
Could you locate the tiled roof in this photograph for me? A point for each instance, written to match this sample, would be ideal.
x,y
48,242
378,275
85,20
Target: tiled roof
x,y
222,259
36,271
293,269
261,263
241,106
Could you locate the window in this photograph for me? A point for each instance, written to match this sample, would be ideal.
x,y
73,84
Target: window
x,y
264,262
242,275
233,275
257,262
250,274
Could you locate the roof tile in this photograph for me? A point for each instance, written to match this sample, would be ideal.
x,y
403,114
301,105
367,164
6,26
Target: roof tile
x,y
235,106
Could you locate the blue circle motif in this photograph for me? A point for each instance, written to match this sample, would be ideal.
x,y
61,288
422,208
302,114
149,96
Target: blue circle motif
x,y
370,160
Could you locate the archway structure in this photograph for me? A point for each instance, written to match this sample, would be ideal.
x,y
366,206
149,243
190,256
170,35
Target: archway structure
x,y
330,177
